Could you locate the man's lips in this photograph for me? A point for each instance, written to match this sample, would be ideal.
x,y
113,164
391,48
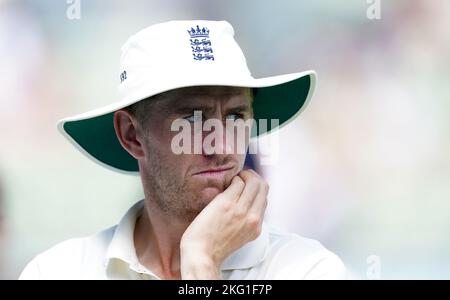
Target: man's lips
x,y
214,171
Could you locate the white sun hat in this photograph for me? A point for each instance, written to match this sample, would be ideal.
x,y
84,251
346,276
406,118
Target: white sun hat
x,y
177,54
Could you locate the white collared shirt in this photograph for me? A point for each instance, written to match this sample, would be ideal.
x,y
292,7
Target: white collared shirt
x,y
111,254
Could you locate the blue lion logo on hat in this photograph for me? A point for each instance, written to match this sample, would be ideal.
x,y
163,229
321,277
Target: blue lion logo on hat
x,y
200,43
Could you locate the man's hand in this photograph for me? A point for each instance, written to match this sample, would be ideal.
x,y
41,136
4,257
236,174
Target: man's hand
x,y
233,218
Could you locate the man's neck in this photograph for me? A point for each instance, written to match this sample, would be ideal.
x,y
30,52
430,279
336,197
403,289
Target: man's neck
x,y
157,241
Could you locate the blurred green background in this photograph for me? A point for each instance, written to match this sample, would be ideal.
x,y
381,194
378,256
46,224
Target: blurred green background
x,y
365,169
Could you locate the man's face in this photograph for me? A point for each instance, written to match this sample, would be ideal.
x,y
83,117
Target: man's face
x,y
183,184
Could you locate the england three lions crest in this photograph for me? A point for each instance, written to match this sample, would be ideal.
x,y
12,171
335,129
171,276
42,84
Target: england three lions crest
x,y
200,43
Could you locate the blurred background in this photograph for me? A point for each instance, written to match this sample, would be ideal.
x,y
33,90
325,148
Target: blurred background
x,y
365,169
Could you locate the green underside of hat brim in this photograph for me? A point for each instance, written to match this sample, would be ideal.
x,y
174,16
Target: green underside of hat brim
x,y
96,136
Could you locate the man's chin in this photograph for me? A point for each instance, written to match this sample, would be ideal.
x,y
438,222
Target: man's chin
x,y
209,193
209,189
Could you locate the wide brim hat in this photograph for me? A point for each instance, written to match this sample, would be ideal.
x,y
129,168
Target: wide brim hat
x,y
178,54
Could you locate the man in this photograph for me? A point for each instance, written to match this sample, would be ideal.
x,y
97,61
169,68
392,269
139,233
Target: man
x,y
202,216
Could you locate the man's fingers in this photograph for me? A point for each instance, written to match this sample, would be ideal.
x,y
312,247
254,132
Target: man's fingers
x,y
254,197
247,174
235,189
260,203
251,189
250,192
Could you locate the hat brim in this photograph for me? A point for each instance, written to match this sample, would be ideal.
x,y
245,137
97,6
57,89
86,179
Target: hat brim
x,y
281,97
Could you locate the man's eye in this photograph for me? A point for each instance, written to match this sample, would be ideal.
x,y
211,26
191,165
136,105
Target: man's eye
x,y
234,117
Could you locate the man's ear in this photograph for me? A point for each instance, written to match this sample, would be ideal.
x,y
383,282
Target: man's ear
x,y
126,127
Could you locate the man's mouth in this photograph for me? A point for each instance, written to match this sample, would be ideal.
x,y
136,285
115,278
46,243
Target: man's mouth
x,y
214,172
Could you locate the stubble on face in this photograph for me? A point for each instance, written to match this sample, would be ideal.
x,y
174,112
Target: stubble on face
x,y
176,195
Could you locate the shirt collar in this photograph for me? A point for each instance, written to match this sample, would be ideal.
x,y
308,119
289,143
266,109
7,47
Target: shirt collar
x,y
122,246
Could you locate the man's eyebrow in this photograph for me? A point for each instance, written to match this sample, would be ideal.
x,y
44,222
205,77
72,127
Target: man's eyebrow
x,y
239,108
189,108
